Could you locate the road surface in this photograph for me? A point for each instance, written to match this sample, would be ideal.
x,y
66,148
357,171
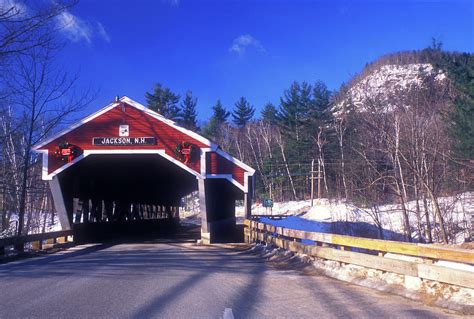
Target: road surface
x,y
165,279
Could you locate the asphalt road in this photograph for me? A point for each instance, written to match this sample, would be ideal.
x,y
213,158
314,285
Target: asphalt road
x,y
182,280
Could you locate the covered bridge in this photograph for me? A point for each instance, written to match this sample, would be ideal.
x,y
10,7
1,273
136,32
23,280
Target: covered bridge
x,y
125,162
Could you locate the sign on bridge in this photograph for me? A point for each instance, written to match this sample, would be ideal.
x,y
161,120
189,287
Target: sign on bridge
x,y
112,141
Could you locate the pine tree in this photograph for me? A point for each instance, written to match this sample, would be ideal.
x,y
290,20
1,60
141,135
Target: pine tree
x,y
319,113
242,113
290,114
460,70
188,113
218,119
163,101
220,113
269,113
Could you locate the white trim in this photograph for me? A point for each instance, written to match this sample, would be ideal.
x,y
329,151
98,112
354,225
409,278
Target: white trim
x,y
49,177
229,157
248,171
160,117
76,125
230,179
204,151
86,153
44,167
129,101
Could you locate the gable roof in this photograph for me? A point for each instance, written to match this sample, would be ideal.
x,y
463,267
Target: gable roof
x,y
136,105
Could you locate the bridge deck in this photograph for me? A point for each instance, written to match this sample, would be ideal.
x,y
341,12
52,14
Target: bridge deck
x,y
172,278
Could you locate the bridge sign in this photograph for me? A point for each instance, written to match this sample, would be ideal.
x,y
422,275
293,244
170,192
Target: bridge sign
x,y
267,203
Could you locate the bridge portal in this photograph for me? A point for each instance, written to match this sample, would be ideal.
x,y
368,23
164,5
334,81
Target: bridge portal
x,y
128,163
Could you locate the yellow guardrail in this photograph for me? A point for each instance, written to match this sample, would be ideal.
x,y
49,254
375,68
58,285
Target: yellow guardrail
x,y
338,247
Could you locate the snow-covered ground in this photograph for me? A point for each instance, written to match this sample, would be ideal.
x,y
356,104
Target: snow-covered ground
x,y
346,218
37,226
333,216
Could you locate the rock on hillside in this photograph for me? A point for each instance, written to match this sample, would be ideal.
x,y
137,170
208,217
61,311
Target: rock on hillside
x,y
387,85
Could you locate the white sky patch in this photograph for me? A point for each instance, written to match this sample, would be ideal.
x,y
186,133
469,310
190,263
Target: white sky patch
x,y
101,31
15,6
174,3
243,42
77,29
74,28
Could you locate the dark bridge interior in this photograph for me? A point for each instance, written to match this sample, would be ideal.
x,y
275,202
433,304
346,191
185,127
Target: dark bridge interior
x,y
112,195
140,178
124,195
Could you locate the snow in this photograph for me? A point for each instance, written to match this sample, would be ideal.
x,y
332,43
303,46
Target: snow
x,y
343,217
37,224
385,83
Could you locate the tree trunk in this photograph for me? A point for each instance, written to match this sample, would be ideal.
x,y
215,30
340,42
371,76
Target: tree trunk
x,y
427,220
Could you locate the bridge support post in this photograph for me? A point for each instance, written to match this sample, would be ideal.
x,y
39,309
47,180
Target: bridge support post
x,y
248,198
59,203
217,205
205,235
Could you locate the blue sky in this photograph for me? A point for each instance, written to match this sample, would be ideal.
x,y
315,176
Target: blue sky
x,y
227,49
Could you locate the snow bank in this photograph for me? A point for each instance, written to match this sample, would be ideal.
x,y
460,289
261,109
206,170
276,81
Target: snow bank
x,y
346,218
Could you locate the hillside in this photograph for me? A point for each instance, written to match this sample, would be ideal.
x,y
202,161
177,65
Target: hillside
x,y
388,84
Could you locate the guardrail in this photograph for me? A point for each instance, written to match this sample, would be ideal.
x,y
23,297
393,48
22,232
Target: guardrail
x,y
370,252
37,239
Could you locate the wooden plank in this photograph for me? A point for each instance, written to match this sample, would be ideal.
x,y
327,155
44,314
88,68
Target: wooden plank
x,y
17,240
419,250
36,245
447,275
426,271
349,257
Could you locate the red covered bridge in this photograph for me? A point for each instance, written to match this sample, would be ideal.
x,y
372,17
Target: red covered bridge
x,y
126,162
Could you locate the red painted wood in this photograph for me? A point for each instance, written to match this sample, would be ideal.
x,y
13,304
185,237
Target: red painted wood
x,y
216,164
107,125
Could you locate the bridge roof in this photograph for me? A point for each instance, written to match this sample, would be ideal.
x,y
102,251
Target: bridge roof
x,y
147,132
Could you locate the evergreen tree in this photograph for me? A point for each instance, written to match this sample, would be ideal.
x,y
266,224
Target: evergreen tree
x,y
243,112
188,112
220,113
320,113
269,113
218,119
163,101
291,115
460,70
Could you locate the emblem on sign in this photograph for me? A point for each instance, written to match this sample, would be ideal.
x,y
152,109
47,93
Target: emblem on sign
x,y
124,130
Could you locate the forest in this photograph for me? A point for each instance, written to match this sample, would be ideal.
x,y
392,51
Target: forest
x,y
314,142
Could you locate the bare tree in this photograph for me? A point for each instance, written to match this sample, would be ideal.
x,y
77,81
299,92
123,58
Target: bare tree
x,y
43,96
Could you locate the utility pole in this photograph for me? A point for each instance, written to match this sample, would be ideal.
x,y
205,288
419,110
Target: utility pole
x,y
312,182
319,178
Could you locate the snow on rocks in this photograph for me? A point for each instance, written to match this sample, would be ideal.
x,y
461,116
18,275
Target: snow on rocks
x,y
385,84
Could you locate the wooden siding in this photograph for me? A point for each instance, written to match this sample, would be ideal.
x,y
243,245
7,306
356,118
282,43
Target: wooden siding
x,y
216,164
107,125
